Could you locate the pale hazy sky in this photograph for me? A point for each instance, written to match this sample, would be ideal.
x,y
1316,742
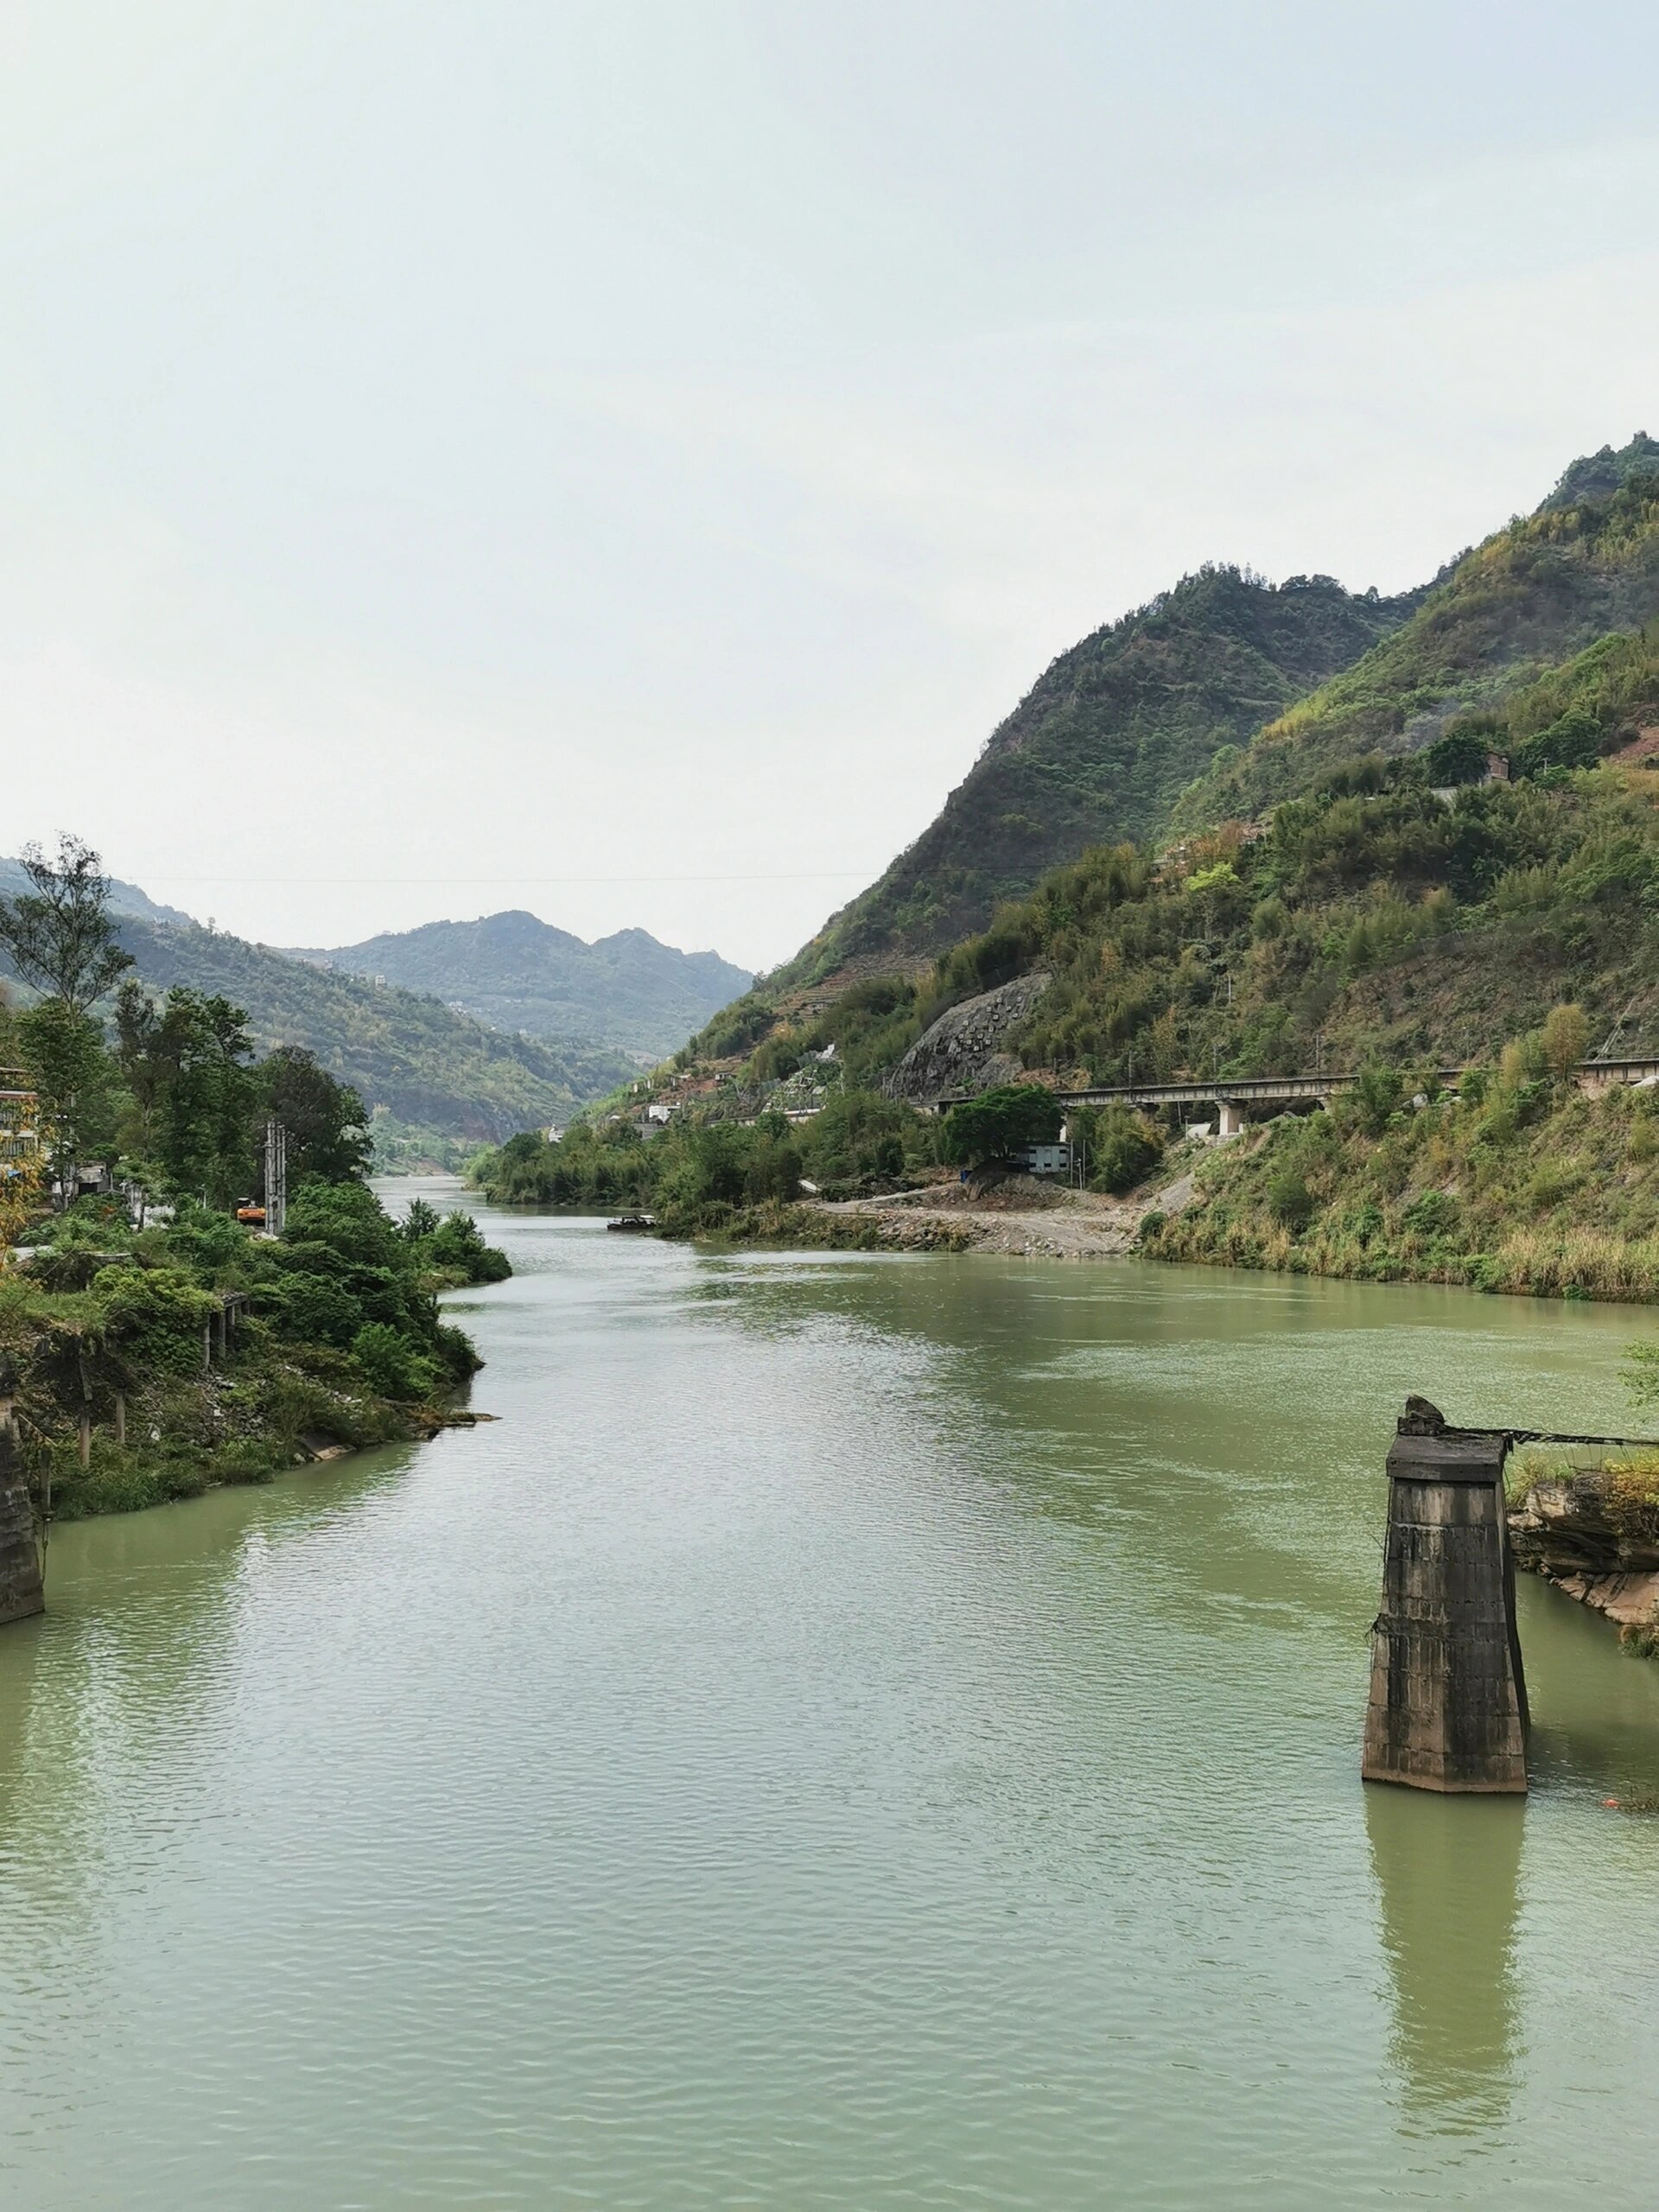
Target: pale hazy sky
x,y
621,459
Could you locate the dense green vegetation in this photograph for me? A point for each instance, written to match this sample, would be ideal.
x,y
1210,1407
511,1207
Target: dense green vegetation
x,y
517,973
1534,594
1515,1183
1101,745
1371,917
1362,890
341,1342
433,1069
111,1317
705,1176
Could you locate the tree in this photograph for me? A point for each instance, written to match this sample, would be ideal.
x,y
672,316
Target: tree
x,y
207,1096
1566,1040
1460,757
1000,1123
69,1069
327,1121
137,1039
58,937
1123,1148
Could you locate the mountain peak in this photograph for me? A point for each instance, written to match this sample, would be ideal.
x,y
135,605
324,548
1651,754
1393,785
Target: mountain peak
x,y
1599,475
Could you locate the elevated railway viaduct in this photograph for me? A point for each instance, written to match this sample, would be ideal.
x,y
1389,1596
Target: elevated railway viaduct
x,y
1236,1100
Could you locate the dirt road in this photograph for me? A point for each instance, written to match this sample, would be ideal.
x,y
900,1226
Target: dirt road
x,y
1053,1224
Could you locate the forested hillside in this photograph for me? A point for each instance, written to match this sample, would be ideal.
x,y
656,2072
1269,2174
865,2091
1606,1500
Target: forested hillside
x,y
429,1066
1376,917
517,972
1102,744
1584,565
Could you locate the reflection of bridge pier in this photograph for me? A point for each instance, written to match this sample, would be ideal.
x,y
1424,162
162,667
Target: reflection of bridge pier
x,y
1448,1878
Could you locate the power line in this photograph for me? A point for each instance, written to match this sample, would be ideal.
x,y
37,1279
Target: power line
x,y
506,882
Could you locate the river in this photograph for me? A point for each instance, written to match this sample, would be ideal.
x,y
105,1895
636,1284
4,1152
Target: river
x,y
860,1731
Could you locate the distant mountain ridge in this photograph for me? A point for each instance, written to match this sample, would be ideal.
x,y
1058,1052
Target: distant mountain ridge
x,y
124,898
518,973
431,1069
426,1064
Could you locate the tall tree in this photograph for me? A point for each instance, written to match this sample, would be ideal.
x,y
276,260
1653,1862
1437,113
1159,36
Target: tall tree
x,y
327,1121
207,1096
70,1071
58,937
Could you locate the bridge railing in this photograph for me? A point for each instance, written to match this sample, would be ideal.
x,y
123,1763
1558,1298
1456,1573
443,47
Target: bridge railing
x,y
1262,1090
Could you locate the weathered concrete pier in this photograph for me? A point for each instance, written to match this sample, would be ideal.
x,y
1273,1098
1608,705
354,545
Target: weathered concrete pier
x,y
1448,1700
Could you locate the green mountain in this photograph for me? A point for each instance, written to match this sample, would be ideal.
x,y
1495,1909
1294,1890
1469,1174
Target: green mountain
x,y
1586,563
426,1064
1324,898
1102,744
520,974
124,898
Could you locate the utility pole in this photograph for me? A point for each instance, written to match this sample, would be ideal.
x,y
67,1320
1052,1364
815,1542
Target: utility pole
x,y
276,1177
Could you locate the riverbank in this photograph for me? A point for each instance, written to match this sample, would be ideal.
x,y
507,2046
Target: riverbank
x,y
1019,1218
1521,1184
1589,1524
153,1364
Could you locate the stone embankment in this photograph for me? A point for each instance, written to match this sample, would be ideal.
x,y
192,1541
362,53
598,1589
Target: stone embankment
x,y
21,1593
1019,1215
1594,1533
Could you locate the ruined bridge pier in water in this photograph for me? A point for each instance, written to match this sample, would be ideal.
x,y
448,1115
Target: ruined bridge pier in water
x,y
1448,1696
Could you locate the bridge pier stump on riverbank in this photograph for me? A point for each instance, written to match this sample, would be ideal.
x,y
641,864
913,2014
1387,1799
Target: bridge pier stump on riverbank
x,y
1448,1701
21,1591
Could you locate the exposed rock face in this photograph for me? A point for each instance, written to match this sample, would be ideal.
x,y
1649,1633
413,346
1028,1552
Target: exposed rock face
x,y
963,1049
21,1594
1566,1532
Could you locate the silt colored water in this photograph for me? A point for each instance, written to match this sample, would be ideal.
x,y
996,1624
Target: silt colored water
x,y
859,1733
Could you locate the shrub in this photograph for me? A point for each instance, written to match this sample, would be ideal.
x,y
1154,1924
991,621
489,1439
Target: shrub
x,y
159,1312
390,1364
1124,1149
456,1246
1290,1201
1432,1213
1375,1098
1631,1497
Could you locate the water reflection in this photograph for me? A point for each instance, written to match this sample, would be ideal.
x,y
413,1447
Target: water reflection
x,y
1447,1875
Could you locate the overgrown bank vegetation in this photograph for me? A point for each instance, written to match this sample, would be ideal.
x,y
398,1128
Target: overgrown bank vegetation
x,y
1518,1184
340,1342
158,1344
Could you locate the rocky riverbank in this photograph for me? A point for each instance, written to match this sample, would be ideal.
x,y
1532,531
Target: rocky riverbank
x,y
1593,1531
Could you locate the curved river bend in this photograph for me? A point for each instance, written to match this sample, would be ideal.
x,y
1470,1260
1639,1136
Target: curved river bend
x,y
860,1733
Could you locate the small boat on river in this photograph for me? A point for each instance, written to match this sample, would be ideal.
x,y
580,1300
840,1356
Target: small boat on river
x,y
633,1222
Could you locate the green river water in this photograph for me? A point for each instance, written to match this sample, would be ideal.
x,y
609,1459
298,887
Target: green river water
x,y
859,1733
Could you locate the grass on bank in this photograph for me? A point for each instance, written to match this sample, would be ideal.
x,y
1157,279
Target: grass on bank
x,y
1518,1184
